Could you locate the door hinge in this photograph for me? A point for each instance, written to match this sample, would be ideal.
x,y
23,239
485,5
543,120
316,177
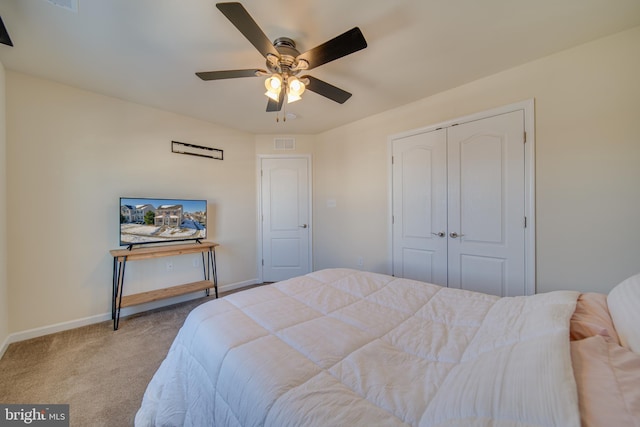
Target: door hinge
x,y
263,263
525,222
392,159
393,219
525,137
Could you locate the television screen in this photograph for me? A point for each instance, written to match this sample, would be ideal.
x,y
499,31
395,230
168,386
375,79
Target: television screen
x,y
145,220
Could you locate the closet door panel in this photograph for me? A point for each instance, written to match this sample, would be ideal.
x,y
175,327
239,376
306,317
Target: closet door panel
x,y
481,189
483,274
419,207
420,264
486,205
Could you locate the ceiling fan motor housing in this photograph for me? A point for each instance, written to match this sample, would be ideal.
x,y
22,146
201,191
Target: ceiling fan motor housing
x,y
286,64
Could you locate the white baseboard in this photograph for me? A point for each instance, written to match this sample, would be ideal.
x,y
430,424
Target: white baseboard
x,y
234,286
57,327
4,347
127,311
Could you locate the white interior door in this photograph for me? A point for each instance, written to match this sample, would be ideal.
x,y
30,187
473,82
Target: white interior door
x,y
420,207
486,178
468,181
285,200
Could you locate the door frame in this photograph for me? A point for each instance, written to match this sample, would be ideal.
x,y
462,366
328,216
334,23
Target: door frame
x,y
259,253
528,109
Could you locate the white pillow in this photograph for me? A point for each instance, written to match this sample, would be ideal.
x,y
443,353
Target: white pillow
x,y
624,306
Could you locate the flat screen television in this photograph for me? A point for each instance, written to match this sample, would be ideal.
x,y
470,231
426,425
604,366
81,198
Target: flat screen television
x,y
145,220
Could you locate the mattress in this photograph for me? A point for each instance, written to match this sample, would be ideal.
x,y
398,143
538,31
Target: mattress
x,y
341,347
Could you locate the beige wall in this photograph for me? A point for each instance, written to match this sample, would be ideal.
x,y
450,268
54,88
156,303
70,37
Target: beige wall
x,y
587,104
4,293
70,155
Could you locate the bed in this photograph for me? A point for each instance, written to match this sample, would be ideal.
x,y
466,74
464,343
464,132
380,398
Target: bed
x,y
341,347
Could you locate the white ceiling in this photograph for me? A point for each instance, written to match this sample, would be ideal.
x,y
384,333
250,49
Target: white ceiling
x,y
147,51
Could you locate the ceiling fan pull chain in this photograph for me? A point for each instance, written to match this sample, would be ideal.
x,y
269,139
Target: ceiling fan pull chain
x,y
284,111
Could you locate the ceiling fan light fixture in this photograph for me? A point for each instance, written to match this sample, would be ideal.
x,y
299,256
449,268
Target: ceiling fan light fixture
x,y
295,89
273,95
293,98
273,83
296,86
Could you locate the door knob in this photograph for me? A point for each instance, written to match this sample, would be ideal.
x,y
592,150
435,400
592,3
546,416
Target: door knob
x,y
454,235
303,226
440,234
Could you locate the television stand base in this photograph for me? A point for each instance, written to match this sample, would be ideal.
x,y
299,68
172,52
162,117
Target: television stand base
x,y
121,256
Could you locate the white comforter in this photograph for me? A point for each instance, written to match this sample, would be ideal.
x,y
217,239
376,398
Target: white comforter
x,y
345,348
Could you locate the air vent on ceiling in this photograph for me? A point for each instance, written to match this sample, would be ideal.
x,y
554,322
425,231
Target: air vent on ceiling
x,y
284,144
71,5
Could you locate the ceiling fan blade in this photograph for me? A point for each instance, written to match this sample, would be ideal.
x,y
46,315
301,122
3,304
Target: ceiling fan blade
x,y
4,34
327,90
229,74
275,106
342,45
238,15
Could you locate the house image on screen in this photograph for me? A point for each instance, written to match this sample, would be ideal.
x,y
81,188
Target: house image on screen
x,y
170,215
140,211
134,214
126,213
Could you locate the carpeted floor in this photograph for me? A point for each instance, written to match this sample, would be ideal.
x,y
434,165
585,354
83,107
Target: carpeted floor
x,y
102,374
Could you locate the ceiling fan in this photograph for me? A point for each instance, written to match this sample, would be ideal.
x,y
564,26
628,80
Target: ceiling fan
x,y
284,62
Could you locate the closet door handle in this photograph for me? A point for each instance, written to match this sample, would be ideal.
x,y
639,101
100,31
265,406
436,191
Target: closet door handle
x,y
454,235
440,234
303,226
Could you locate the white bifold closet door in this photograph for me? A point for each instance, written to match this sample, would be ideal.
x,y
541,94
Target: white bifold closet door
x,y
459,205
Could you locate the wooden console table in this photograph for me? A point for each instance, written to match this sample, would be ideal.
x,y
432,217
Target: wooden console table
x,y
121,256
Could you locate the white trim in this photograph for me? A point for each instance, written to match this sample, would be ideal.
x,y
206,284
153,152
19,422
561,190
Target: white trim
x,y
126,311
530,197
238,285
259,204
528,108
4,346
390,205
58,327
